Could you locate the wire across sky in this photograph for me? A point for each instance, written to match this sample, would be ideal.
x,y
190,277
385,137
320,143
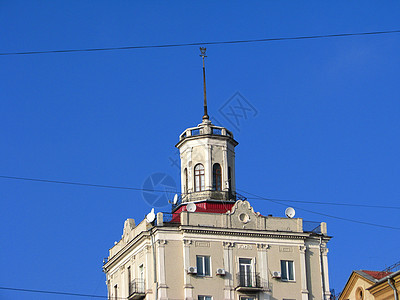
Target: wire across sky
x,y
263,40
255,197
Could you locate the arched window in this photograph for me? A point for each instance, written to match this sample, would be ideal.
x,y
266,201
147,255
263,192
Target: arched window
x,y
185,187
229,180
217,179
199,178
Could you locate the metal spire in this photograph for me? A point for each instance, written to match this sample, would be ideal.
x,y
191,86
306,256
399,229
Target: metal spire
x,y
203,55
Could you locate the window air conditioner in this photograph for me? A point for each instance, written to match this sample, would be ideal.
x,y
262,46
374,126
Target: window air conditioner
x,y
192,270
220,271
276,274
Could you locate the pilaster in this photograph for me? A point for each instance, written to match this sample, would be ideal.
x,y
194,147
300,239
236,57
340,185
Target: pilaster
x,y
229,269
303,270
187,286
162,286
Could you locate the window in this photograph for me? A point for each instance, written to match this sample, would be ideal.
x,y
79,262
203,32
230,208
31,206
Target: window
x,y
115,291
245,275
229,180
217,181
129,280
203,265
204,298
287,270
198,178
185,174
247,298
141,272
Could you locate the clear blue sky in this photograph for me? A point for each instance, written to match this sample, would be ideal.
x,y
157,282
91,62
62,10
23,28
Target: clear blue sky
x,y
327,124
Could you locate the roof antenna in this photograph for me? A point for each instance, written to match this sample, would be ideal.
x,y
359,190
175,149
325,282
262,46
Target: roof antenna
x,y
203,55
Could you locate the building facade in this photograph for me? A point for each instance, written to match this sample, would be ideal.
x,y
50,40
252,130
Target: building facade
x,y
372,285
213,245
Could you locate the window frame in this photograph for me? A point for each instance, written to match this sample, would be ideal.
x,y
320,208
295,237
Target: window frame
x,y
204,265
252,264
204,297
217,177
199,178
286,263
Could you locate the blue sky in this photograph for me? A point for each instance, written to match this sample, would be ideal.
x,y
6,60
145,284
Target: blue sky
x,y
326,128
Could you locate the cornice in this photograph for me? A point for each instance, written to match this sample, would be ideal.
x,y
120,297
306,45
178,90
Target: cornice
x,y
248,233
122,251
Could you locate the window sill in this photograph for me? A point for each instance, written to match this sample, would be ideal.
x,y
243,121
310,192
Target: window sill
x,y
288,281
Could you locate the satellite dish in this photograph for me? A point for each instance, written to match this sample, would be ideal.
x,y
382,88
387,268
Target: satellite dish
x,y
150,216
290,212
175,199
191,207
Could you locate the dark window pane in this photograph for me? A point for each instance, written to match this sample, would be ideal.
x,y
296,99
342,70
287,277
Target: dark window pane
x,y
283,270
291,273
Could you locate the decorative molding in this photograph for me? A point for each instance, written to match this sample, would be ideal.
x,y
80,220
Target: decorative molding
x,y
187,242
202,244
263,246
249,234
302,249
245,246
161,242
324,251
285,249
228,244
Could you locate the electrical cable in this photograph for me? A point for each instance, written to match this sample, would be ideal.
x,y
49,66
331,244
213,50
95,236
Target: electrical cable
x,y
170,191
54,292
326,215
203,43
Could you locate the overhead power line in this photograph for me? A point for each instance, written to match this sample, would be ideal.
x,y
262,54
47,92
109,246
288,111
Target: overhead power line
x,y
203,43
53,292
171,191
327,203
323,214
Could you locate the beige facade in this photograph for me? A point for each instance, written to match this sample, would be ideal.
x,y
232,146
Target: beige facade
x,y
387,288
221,249
371,285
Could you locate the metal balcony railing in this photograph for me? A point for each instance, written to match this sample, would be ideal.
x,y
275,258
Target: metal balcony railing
x,y
137,289
309,226
228,196
250,279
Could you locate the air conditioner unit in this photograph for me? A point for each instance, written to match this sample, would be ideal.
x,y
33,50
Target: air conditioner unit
x,y
192,270
276,274
220,271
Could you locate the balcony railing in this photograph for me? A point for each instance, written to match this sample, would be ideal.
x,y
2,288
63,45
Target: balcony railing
x,y
250,281
137,289
309,226
208,194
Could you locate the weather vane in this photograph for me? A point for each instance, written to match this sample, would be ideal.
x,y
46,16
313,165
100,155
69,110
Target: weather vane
x,y
203,55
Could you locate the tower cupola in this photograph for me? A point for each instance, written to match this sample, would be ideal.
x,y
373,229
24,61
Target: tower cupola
x,y
207,154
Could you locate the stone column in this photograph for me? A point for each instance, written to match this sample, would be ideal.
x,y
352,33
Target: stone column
x,y
303,272
229,269
162,286
187,286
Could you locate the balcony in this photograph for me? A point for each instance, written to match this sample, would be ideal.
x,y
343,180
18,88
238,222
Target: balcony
x,y
228,196
137,289
250,282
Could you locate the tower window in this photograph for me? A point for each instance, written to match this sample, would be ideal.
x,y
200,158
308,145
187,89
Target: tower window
x,y
199,178
185,174
217,180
